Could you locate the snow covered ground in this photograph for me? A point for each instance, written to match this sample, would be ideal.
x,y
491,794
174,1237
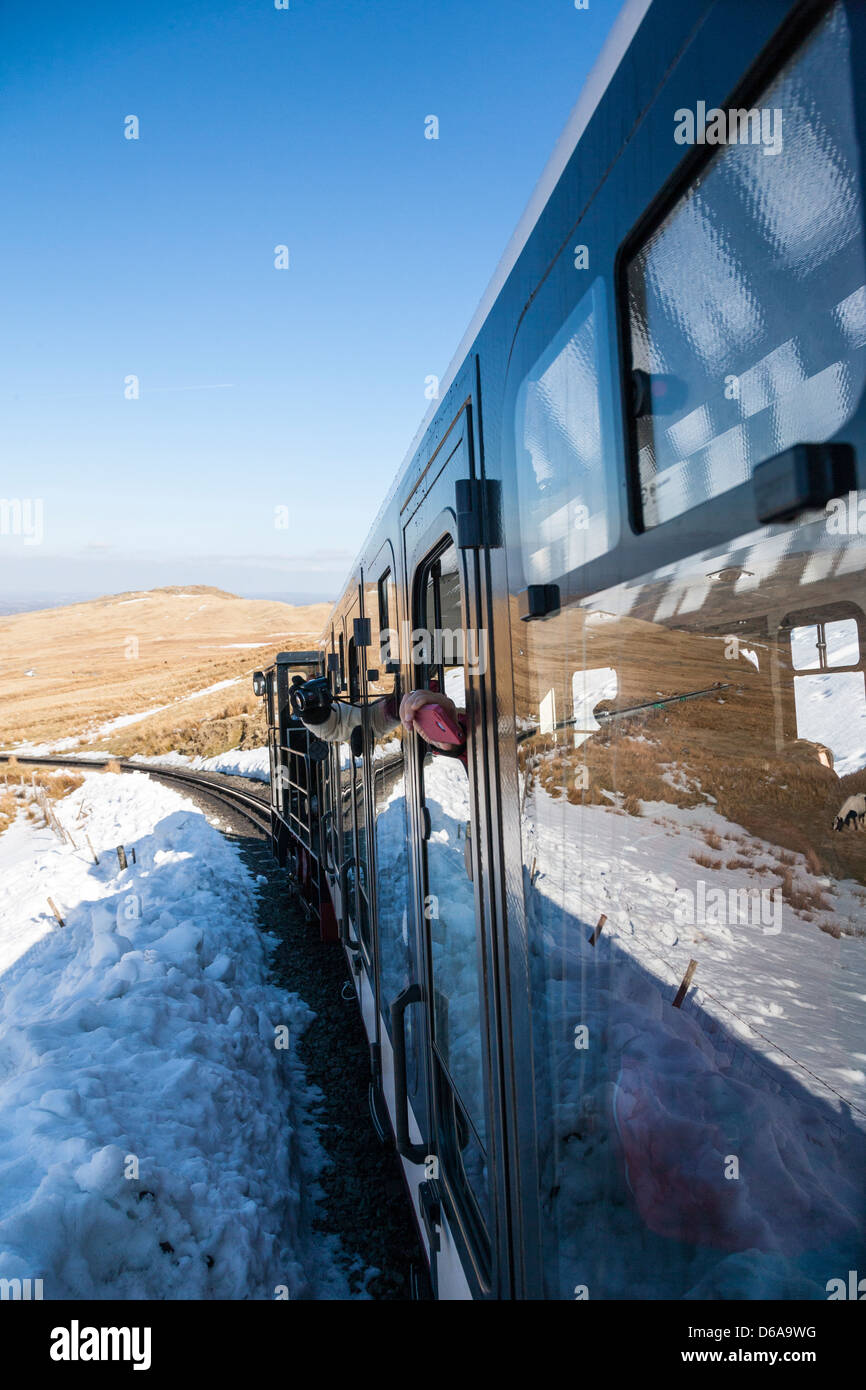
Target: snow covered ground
x,y
247,762
154,1140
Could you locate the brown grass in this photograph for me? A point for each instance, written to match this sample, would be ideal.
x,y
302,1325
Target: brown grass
x,y
128,652
705,860
19,791
802,898
733,749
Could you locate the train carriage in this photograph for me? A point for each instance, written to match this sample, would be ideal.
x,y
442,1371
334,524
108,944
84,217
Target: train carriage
x,y
612,966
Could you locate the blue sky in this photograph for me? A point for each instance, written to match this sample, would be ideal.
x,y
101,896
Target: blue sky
x,y
259,388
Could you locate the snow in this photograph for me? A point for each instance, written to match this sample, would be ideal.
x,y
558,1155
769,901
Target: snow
x,y
247,762
831,707
143,1033
123,720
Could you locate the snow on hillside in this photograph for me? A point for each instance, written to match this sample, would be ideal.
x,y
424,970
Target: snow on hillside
x,y
122,721
143,1033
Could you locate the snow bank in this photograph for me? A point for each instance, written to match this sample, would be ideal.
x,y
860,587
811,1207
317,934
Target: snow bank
x,y
154,1143
247,762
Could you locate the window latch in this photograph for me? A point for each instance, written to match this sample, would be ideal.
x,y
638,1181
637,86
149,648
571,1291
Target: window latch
x,y
802,478
538,601
479,518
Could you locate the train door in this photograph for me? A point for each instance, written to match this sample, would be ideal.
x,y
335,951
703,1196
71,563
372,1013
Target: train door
x,y
456,994
330,823
396,941
690,705
356,866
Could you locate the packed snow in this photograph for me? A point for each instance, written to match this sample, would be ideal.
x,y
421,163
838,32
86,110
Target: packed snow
x,y
247,762
155,1141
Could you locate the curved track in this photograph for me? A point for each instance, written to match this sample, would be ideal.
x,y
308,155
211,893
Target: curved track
x,y
255,808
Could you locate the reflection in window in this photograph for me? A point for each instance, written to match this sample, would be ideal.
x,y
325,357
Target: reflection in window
x,y
748,304
450,908
392,867
831,706
819,645
831,709
588,689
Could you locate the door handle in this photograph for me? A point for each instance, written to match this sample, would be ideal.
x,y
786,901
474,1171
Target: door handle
x,y
345,919
325,841
431,1212
415,1153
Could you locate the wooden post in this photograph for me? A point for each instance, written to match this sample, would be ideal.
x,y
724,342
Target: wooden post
x,y
133,854
686,981
92,850
53,906
121,856
597,933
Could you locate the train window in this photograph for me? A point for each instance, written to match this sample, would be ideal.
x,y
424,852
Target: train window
x,y
830,696
821,645
442,623
392,841
387,603
564,501
449,906
747,305
380,607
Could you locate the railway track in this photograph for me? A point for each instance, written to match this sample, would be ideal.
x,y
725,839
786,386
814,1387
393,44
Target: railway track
x,y
254,807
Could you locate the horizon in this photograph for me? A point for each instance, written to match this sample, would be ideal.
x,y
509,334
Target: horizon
x,y
39,602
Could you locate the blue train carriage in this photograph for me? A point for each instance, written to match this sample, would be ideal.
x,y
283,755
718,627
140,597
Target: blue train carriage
x,y
613,966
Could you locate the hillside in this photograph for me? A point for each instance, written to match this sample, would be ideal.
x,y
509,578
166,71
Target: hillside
x,y
146,671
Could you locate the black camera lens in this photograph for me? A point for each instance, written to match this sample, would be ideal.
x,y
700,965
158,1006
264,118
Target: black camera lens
x,y
311,700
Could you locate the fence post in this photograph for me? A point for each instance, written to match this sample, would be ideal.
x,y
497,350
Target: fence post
x,y
597,933
686,981
121,856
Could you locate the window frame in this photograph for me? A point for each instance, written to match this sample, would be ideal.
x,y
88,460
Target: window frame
x,y
759,76
478,1228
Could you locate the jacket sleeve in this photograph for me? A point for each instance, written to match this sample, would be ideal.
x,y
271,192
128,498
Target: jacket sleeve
x,y
343,718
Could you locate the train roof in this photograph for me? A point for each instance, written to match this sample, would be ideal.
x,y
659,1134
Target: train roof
x,y
623,30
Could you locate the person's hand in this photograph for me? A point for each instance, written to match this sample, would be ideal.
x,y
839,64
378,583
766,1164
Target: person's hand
x,y
412,703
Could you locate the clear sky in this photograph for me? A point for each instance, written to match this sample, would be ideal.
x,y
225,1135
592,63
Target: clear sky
x,y
259,388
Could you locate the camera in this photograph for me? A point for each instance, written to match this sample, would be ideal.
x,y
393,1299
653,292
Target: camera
x,y
311,700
